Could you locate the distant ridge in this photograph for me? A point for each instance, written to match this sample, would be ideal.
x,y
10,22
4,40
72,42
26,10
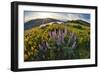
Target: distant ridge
x,y
79,22
37,22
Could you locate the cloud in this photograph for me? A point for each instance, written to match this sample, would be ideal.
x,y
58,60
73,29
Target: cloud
x,y
29,15
72,16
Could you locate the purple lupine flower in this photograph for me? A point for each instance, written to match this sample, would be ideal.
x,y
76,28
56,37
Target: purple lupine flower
x,y
62,36
50,33
47,45
54,34
65,32
59,33
58,42
74,45
40,47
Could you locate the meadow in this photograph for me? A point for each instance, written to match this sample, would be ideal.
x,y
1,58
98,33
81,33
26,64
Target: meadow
x,y
54,41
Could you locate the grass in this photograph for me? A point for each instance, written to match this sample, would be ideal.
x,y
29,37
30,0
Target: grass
x,y
34,36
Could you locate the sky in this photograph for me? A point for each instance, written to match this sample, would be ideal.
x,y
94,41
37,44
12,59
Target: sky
x,y
29,15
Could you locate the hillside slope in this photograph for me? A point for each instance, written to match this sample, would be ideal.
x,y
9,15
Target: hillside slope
x,y
57,42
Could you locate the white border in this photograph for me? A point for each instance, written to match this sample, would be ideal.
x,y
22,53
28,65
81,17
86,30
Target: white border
x,y
22,64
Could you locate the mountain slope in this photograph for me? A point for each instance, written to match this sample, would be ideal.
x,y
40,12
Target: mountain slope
x,y
57,42
37,22
79,22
